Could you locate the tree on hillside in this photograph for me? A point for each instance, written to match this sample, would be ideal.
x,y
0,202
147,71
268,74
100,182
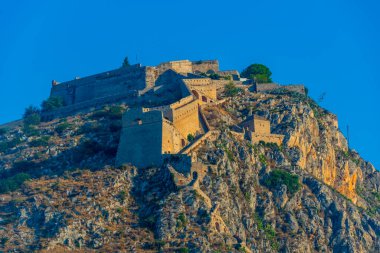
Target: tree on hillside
x,y
126,62
52,103
258,72
32,116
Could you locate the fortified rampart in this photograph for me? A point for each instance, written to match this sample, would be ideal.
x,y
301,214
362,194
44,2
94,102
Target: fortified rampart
x,y
205,66
126,80
183,67
202,88
140,129
186,66
265,87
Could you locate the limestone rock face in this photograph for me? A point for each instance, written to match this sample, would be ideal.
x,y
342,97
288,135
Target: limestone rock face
x,y
311,194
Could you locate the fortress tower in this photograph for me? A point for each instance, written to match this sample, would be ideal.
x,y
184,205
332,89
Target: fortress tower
x,y
258,129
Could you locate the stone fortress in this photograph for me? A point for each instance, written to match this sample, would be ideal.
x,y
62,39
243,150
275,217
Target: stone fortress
x,y
164,116
164,119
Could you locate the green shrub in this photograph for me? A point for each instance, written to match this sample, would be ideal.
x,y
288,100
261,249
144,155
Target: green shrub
x,y
115,112
43,141
62,127
13,183
32,120
32,116
214,76
99,114
30,130
3,131
190,137
52,103
231,90
122,195
182,218
90,147
23,167
181,221
3,147
3,240
230,155
183,250
263,159
6,145
277,178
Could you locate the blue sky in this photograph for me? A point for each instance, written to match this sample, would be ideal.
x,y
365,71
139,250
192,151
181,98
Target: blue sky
x,y
330,46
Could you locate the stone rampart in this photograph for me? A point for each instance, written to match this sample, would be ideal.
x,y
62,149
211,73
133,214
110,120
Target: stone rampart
x,y
265,87
186,119
268,138
141,138
103,85
202,87
205,66
183,66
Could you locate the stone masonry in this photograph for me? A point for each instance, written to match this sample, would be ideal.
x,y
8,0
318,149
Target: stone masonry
x,y
258,129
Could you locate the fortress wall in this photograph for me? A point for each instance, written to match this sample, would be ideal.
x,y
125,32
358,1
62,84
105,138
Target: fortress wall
x,y
186,119
296,88
263,87
204,66
182,102
183,66
64,92
141,138
172,140
202,85
102,85
268,138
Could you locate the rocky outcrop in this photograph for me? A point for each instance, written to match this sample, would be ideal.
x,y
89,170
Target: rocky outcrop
x,y
311,194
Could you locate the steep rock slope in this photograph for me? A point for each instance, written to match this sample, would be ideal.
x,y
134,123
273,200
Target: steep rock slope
x,y
312,194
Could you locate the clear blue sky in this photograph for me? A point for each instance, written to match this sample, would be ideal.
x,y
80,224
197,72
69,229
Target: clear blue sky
x,y
331,46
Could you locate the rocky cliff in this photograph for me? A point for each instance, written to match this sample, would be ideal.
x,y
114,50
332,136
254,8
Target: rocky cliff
x,y
311,194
